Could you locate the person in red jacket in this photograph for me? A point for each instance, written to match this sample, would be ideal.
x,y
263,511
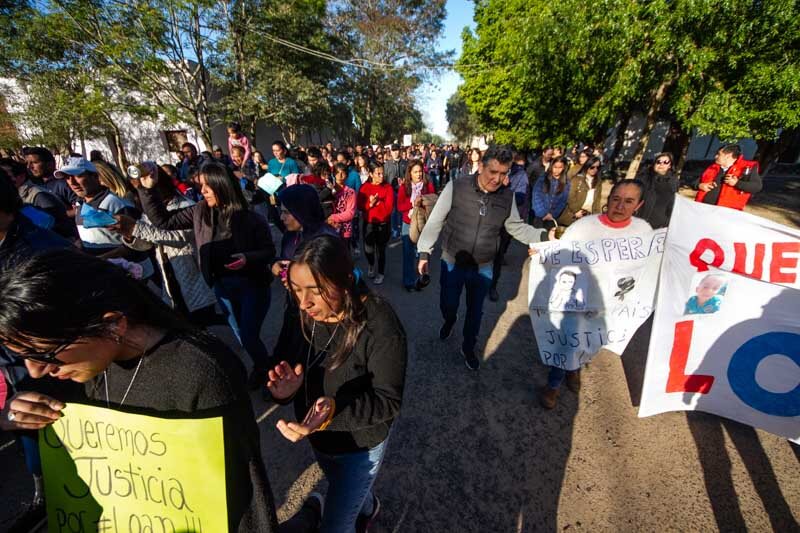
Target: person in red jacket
x,y
409,195
730,180
376,201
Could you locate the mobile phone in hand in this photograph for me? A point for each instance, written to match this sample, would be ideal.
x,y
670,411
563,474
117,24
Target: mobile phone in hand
x,y
239,263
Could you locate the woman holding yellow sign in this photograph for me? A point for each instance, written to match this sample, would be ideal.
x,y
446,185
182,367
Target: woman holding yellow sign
x,y
76,317
347,386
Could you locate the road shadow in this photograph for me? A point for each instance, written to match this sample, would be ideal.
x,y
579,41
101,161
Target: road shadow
x,y
708,432
634,360
708,429
478,452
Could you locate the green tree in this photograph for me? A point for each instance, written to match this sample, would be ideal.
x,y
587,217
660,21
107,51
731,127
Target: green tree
x,y
263,79
389,44
461,122
557,72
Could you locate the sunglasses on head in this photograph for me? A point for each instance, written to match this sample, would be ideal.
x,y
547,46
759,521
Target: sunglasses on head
x,y
663,162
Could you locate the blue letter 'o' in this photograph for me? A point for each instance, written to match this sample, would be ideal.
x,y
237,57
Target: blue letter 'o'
x,y
742,373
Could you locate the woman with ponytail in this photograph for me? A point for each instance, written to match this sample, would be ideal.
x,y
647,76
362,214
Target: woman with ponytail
x,y
346,383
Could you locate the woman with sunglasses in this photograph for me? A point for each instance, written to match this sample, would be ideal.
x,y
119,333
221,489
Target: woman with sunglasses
x,y
660,186
584,193
75,317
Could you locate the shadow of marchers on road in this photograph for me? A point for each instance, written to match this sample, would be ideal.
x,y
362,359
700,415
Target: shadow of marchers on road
x,y
478,454
634,360
707,430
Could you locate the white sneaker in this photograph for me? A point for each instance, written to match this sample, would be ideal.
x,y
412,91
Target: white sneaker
x,y
371,272
378,279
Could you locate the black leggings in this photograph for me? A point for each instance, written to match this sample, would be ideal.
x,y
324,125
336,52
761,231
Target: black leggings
x,y
376,236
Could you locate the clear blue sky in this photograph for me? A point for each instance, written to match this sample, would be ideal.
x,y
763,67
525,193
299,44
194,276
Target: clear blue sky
x,y
433,96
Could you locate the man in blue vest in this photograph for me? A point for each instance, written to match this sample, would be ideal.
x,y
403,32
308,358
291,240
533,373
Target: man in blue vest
x,y
470,214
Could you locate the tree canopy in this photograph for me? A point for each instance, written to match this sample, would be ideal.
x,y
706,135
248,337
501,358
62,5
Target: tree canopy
x,y
553,72
302,65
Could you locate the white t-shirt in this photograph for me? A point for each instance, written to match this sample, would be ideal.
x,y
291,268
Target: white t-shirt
x,y
599,226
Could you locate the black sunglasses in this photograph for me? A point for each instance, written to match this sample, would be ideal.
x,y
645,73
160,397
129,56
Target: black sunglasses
x,y
663,162
594,167
45,358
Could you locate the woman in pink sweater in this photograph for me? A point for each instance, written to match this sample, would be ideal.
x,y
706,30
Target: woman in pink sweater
x,y
344,204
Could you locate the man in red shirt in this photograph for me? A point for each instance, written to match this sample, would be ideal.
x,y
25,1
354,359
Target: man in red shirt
x,y
730,180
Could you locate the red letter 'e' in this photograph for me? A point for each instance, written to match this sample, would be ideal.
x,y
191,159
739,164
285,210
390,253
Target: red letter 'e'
x,y
780,261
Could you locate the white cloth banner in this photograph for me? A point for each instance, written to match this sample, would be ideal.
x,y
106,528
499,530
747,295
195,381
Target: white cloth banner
x,y
588,295
726,333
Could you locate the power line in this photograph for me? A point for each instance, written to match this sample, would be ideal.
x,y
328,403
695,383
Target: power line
x,y
362,63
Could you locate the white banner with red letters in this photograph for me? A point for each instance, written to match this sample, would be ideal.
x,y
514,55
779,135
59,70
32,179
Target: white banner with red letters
x,y
588,295
726,333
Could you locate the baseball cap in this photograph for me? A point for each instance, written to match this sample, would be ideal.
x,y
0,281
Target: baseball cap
x,y
395,146
75,167
216,148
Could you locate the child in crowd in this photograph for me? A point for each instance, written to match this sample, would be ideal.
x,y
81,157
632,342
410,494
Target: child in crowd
x,y
237,138
344,204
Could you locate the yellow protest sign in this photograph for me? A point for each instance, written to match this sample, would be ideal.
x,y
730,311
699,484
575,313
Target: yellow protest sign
x,y
107,471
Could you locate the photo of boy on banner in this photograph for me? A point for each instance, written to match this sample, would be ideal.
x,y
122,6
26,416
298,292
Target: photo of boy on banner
x,y
709,291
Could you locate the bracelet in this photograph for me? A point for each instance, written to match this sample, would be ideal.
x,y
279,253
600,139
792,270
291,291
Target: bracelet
x,y
330,416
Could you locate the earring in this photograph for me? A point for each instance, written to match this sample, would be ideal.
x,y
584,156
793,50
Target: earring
x,y
116,338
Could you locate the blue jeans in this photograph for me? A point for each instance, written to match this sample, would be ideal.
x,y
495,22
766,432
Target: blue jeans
x,y
409,259
434,176
245,305
350,477
30,446
555,377
452,279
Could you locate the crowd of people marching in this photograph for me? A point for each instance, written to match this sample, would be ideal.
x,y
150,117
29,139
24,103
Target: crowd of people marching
x,y
109,279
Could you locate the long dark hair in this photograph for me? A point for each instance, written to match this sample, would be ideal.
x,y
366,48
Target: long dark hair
x,y
585,168
60,296
407,177
227,190
651,174
329,261
165,186
562,179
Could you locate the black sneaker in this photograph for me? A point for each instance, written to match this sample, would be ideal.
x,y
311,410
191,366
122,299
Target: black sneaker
x,y
470,359
364,522
447,329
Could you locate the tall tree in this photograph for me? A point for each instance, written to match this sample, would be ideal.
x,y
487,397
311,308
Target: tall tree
x,y
263,79
461,122
537,71
390,44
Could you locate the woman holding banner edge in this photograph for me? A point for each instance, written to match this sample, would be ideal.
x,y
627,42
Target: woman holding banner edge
x,y
624,201
72,316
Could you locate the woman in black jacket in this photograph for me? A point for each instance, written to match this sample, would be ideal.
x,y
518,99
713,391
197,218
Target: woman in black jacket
x,y
347,384
660,186
234,252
